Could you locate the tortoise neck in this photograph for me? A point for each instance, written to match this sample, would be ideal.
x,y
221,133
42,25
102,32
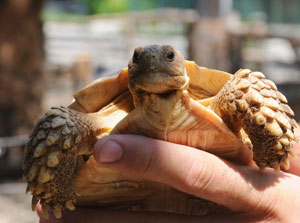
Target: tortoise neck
x,y
163,110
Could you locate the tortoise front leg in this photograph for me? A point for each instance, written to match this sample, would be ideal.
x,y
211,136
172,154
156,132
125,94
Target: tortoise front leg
x,y
59,145
55,149
251,102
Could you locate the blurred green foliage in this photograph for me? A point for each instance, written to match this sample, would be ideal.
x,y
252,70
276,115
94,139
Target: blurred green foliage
x,y
275,11
107,6
63,17
111,6
271,11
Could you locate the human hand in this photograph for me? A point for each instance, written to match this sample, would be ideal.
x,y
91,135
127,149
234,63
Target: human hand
x,y
250,194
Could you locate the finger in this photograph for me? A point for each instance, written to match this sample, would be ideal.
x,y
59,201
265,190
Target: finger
x,y
295,163
39,209
187,169
297,131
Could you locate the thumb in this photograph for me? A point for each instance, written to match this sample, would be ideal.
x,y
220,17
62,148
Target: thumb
x,y
187,169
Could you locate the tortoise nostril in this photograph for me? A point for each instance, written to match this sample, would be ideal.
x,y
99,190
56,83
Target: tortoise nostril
x,y
153,56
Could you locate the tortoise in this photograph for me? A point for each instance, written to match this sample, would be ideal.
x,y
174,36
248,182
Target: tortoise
x,y
163,96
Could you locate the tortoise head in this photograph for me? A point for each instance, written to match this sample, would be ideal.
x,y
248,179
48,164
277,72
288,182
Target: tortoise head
x,y
157,69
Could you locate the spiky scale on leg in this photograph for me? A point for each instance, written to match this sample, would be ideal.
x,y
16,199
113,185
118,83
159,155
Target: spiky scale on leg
x,y
34,202
45,175
277,168
33,171
286,163
69,204
45,211
40,188
57,211
53,159
57,122
40,150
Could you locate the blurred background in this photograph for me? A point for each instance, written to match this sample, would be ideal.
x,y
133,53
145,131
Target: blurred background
x,y
51,48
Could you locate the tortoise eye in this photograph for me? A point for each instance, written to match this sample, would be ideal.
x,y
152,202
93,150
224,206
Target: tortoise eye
x,y
136,57
170,55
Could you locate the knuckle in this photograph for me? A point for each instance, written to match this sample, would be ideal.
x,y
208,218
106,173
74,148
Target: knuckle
x,y
148,164
199,176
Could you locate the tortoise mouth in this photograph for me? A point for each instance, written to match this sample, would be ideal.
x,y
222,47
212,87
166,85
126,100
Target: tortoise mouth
x,y
164,94
167,93
158,82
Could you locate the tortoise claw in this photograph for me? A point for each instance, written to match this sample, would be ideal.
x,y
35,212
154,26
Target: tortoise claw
x,y
286,163
45,211
69,204
34,202
57,211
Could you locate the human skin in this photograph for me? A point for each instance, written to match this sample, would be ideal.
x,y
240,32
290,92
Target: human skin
x,y
250,195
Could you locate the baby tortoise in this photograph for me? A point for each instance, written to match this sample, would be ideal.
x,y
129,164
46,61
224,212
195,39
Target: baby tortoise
x,y
163,96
